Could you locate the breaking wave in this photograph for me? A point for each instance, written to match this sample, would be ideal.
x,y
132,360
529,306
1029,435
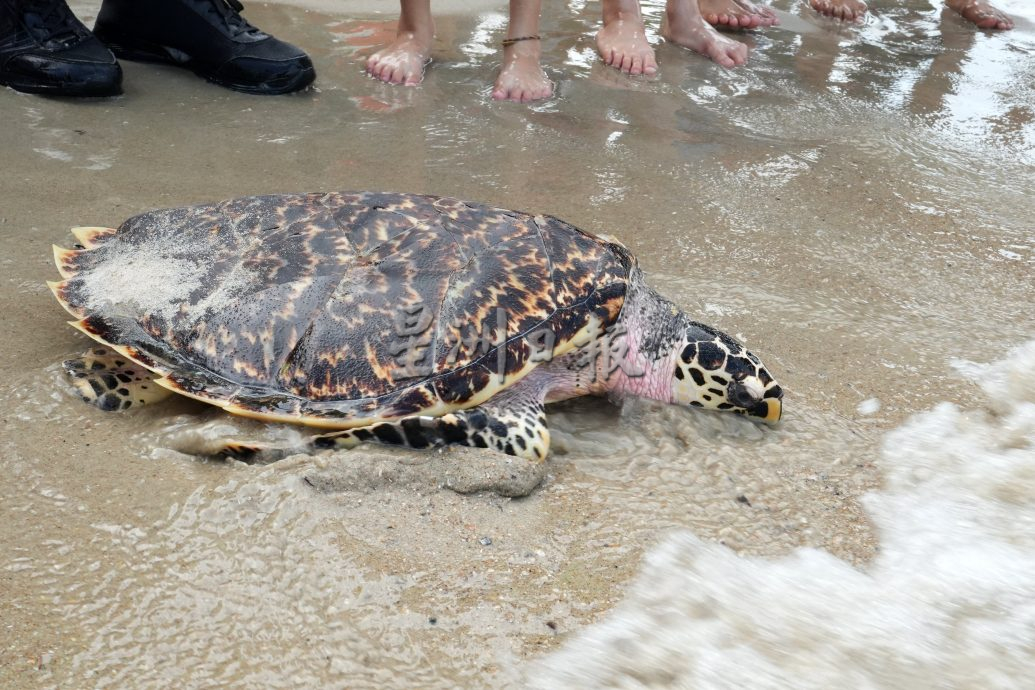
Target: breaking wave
x,y
949,601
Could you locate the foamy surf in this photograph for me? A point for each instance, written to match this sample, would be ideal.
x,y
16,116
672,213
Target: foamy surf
x,y
948,602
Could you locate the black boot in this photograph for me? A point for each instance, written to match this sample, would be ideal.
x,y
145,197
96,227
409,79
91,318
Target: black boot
x,y
208,37
45,49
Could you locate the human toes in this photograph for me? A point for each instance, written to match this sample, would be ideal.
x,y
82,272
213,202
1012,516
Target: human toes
x,y
1003,22
855,11
380,70
994,22
719,56
374,66
738,53
385,71
991,19
404,74
768,17
504,90
750,21
392,73
729,54
411,77
650,65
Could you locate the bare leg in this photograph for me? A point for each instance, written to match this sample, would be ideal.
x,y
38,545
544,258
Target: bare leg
x,y
685,26
981,13
845,10
736,14
522,78
622,42
402,62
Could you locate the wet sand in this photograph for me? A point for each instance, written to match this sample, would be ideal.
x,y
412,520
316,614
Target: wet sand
x,y
854,204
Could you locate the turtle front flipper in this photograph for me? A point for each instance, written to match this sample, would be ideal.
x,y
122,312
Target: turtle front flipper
x,y
109,381
520,432
515,425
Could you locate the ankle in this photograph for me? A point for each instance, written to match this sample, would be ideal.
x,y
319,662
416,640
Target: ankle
x,y
511,56
422,33
621,11
681,13
529,48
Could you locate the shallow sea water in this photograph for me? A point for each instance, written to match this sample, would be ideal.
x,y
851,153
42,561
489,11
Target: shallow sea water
x,y
947,601
854,204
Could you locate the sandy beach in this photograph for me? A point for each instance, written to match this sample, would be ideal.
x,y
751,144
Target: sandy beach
x,y
854,204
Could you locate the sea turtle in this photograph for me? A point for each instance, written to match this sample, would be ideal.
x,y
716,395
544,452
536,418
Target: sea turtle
x,y
400,318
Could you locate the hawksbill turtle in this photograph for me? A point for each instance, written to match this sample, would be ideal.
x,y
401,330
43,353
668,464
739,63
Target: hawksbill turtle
x,y
401,318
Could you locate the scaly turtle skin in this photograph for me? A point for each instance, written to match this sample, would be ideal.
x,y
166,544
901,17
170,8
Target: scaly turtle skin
x,y
402,318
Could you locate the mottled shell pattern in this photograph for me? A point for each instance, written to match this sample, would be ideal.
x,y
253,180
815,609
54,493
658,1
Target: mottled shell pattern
x,y
338,310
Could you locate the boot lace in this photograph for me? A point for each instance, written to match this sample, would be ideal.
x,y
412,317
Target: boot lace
x,y
51,20
230,12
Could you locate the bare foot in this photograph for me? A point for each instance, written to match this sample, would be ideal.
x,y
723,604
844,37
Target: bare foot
x,y
623,44
737,14
685,26
402,62
846,10
521,78
981,13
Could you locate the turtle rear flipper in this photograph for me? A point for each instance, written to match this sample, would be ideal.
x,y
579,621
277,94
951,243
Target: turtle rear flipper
x,y
514,422
110,382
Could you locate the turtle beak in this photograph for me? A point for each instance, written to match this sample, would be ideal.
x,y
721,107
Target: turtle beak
x,y
768,410
750,395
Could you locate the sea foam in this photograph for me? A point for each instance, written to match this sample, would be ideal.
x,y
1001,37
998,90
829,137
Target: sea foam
x,y
948,602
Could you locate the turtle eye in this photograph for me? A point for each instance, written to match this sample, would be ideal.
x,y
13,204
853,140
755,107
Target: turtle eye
x,y
741,396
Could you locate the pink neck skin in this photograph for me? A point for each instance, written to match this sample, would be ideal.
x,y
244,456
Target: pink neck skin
x,y
640,375
624,371
636,374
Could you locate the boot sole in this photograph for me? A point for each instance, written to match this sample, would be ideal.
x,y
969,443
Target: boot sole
x,y
70,90
158,54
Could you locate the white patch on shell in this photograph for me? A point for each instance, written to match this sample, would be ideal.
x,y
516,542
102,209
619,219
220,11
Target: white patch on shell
x,y
135,280
124,283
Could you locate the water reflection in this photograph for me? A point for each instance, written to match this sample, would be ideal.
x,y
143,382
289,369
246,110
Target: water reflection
x,y
930,63
915,57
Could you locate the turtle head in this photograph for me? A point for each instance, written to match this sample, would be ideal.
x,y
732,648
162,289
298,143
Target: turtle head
x,y
712,370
